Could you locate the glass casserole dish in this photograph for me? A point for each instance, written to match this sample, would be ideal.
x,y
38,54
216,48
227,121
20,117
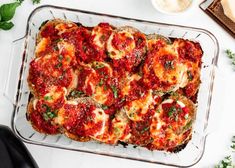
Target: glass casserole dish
x,y
18,92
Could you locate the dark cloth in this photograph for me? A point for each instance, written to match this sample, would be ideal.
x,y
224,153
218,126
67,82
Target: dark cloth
x,y
13,153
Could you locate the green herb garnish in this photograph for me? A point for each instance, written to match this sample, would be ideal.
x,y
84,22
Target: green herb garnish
x,y
101,82
144,130
158,111
7,12
108,53
104,107
231,55
58,40
171,111
188,125
56,48
98,65
84,48
48,114
60,57
36,1
76,93
102,37
225,163
233,143
58,65
47,97
122,100
186,116
105,88
190,75
115,91
169,65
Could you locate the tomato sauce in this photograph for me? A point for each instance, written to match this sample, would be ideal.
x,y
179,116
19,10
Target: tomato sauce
x,y
55,67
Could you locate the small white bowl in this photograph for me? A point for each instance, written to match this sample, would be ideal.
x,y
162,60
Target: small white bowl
x,y
158,8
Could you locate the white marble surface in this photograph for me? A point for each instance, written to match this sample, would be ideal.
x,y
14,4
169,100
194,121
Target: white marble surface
x,y
222,120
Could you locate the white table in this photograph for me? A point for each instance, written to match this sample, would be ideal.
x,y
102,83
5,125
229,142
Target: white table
x,y
222,113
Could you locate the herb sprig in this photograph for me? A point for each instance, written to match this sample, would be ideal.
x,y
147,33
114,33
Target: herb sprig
x,y
233,143
231,55
227,162
7,12
33,1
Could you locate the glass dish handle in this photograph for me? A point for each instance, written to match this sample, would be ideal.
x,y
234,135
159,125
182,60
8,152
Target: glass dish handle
x,y
14,70
218,102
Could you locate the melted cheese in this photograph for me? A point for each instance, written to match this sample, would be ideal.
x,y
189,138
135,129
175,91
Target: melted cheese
x,y
63,27
127,87
67,47
41,46
100,95
98,34
99,116
54,94
137,108
119,54
120,124
175,75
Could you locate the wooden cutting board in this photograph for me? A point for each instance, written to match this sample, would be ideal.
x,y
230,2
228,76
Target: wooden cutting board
x,y
215,10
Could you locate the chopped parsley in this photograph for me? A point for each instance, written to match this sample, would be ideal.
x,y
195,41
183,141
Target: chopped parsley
x,y
105,88
186,116
98,65
104,107
157,92
158,111
84,48
188,125
47,97
101,82
102,37
108,53
115,91
122,100
144,130
56,48
48,114
76,93
169,65
60,57
58,40
67,59
171,111
190,75
59,65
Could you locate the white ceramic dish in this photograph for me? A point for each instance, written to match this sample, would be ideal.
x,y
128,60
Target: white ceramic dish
x,y
161,10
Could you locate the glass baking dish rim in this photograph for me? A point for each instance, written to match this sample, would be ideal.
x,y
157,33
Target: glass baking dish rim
x,y
214,65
